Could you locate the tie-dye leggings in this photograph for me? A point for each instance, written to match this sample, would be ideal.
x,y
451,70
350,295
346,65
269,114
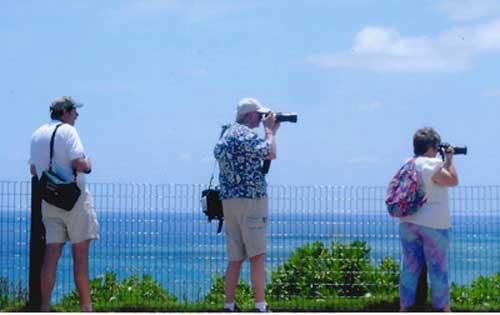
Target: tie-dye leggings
x,y
419,243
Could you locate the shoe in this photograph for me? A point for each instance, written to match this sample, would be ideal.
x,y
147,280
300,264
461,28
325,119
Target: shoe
x,y
236,309
267,310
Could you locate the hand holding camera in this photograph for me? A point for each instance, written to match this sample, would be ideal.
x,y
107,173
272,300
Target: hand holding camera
x,y
447,150
270,122
447,154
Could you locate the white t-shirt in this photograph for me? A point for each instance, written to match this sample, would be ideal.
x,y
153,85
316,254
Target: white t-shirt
x,y
67,147
435,213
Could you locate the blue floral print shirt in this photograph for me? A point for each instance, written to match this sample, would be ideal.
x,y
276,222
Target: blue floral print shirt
x,y
240,153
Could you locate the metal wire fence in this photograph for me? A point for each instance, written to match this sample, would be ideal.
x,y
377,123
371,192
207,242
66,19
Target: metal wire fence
x,y
160,230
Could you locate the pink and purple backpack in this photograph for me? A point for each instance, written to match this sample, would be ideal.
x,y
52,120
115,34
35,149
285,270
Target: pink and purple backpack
x,y
405,195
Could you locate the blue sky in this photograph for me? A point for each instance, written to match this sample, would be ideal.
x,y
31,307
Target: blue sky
x,y
158,79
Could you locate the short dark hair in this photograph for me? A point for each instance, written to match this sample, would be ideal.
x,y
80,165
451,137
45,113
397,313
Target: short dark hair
x,y
425,138
57,114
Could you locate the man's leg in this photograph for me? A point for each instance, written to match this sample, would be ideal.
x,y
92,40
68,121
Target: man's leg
x,y
81,273
48,276
231,280
255,236
234,248
257,276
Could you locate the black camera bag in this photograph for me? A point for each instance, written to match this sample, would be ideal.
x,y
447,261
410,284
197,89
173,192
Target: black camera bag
x,y
210,197
55,190
213,208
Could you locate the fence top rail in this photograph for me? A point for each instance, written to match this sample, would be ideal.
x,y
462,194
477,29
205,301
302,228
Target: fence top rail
x,y
271,186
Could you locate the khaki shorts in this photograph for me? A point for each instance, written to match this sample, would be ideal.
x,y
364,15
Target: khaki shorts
x,y
76,226
246,227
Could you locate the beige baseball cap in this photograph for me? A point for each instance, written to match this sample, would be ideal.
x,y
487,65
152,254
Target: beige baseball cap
x,y
248,105
62,102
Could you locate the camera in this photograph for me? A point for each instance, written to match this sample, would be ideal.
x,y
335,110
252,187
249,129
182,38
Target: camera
x,y
288,117
443,147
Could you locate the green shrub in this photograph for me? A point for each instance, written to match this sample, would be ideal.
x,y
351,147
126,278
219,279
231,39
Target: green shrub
x,y
133,293
317,272
244,294
12,294
385,278
483,294
308,273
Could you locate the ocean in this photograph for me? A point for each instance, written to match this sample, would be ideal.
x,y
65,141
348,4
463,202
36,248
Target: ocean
x,y
183,252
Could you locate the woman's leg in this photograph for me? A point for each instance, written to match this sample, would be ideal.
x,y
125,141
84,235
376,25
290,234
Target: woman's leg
x,y
436,245
413,257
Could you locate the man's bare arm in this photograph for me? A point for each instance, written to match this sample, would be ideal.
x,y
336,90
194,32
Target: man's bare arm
x,y
82,165
33,170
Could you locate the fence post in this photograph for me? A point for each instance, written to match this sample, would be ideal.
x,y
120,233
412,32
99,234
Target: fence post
x,y
37,246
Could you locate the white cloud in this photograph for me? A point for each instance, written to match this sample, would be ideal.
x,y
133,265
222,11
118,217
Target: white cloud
x,y
385,49
473,40
193,11
467,10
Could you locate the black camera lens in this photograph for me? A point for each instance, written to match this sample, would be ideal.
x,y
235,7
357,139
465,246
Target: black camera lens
x,y
288,117
460,150
456,150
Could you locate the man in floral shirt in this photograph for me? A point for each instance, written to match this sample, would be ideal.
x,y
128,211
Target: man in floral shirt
x,y
240,153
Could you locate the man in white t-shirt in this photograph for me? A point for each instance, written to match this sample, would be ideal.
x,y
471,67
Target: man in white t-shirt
x,y
79,226
425,235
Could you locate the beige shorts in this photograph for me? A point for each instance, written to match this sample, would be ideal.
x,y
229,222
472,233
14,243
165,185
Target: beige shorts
x,y
246,227
76,226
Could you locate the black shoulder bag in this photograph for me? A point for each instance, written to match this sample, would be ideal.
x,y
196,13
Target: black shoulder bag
x,y
56,190
211,204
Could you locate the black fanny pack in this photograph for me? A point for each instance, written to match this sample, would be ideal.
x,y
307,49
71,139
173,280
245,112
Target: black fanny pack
x,y
55,190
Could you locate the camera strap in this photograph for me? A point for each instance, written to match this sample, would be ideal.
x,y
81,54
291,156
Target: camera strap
x,y
223,131
212,177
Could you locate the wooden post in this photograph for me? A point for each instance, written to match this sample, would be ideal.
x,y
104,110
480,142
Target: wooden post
x,y
37,247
